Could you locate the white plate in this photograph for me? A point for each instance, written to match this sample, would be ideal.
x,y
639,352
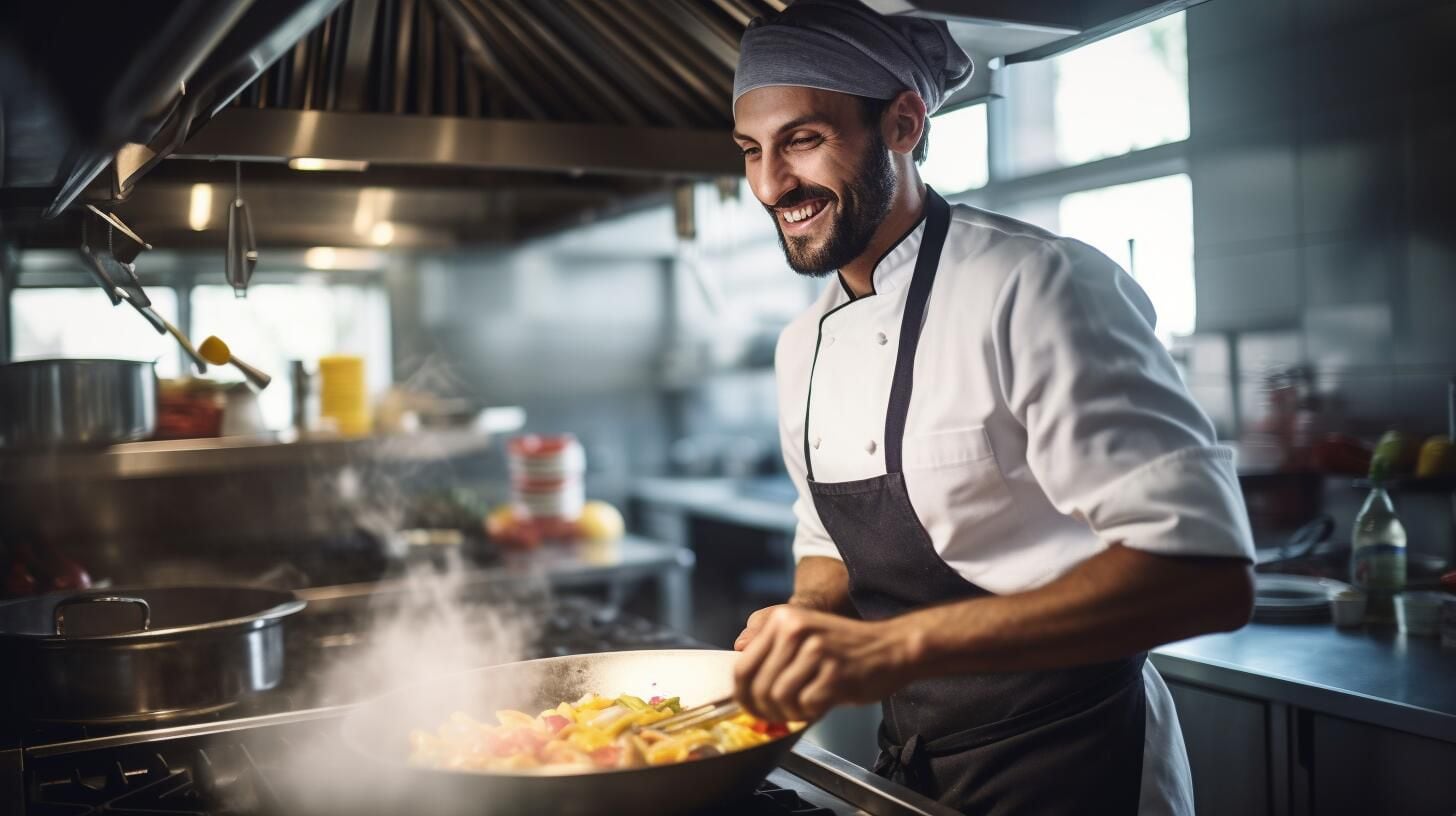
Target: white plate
x,y
1294,597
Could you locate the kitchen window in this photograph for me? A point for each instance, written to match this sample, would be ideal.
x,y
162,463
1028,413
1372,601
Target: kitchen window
x,y
957,159
1147,228
278,323
81,322
1092,145
1125,93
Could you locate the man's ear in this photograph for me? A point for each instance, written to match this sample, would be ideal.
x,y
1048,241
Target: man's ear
x,y
903,122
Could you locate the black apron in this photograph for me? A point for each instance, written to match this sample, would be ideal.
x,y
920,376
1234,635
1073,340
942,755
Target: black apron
x,y
1043,742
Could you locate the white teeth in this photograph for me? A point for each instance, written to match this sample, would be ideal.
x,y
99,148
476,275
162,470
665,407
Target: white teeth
x,y
794,216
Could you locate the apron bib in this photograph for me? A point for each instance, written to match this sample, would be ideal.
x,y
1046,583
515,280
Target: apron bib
x,y
1042,742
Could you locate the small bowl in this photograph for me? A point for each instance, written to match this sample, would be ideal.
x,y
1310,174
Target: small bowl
x,y
1419,612
1347,608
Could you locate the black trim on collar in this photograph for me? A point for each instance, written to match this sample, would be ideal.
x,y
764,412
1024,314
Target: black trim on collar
x,y
924,210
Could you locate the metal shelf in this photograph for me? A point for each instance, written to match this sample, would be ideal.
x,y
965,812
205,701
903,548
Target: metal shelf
x,y
138,460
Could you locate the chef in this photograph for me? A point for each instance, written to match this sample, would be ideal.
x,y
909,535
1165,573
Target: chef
x,y
1006,495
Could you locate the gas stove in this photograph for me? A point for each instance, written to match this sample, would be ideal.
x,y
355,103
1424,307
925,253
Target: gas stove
x,y
246,761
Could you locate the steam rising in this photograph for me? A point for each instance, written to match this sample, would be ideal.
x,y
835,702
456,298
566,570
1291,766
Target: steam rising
x,y
420,644
419,636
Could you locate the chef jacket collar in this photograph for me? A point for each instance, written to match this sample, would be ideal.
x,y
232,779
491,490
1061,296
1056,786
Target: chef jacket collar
x,y
895,267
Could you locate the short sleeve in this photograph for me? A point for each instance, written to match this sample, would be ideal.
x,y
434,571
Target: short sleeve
x,y
1113,436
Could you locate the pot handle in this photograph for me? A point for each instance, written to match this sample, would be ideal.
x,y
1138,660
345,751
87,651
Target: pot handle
x,y
60,613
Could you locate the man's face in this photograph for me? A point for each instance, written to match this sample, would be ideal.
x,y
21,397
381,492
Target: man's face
x,y
822,173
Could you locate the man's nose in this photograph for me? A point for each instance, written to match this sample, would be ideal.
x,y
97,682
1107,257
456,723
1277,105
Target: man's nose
x,y
772,179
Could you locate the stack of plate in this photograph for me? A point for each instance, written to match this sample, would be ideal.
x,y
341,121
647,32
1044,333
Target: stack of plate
x,y
546,476
1294,598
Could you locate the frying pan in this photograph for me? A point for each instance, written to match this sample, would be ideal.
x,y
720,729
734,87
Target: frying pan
x,y
378,732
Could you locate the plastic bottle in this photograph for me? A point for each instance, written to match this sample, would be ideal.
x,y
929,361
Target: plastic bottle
x,y
1378,552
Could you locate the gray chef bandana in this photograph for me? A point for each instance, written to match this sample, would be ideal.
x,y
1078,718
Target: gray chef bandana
x,y
841,45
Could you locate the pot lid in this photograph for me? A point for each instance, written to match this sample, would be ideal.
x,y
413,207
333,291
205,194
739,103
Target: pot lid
x,y
143,612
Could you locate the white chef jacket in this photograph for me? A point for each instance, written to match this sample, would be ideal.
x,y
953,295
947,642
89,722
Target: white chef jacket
x,y
1046,422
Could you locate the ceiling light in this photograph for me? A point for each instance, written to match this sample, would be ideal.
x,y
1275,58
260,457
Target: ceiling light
x,y
382,234
326,258
309,163
199,211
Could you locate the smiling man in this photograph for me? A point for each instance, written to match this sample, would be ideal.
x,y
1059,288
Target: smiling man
x,y
1006,495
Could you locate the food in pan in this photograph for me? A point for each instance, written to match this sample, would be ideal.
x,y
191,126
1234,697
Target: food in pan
x,y
595,733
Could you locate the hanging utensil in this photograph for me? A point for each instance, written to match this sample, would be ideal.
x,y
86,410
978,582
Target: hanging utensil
x,y
168,327
218,353
106,266
242,248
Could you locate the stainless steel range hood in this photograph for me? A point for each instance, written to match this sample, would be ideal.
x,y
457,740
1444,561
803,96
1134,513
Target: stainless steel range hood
x,y
562,107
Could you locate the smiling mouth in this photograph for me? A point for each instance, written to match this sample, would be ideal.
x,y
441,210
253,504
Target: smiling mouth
x,y
803,212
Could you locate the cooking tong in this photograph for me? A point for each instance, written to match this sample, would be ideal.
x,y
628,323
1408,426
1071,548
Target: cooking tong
x,y
701,716
118,261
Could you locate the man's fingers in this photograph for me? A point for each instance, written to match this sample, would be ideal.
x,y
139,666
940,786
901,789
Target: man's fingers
x,y
821,693
785,635
787,688
753,626
747,666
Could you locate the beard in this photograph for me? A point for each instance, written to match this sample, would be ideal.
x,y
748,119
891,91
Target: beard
x,y
858,213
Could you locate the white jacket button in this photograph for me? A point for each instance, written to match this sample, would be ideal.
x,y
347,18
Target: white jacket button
x,y
817,440
870,446
881,338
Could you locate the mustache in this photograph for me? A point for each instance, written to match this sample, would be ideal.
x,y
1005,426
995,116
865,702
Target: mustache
x,y
799,195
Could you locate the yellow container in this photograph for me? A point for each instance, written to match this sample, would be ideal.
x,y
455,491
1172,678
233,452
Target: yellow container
x,y
343,394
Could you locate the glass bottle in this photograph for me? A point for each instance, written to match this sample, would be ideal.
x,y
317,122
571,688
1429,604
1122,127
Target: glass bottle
x,y
1377,555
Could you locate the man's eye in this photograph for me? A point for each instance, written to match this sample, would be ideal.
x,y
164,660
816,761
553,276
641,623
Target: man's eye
x,y
749,152
804,141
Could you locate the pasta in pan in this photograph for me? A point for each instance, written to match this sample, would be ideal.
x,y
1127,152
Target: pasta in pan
x,y
592,734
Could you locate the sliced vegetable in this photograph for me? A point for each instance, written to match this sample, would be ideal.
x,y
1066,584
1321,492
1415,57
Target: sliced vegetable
x,y
594,733
634,703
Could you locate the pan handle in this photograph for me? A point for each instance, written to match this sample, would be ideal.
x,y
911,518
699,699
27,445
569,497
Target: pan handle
x,y
60,613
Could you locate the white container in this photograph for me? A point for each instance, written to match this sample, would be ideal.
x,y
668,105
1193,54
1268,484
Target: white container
x,y
1418,613
1348,608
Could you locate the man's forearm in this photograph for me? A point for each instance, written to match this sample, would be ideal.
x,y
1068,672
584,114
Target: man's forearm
x,y
822,584
1118,603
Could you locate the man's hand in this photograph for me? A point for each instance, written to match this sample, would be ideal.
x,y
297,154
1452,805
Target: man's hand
x,y
798,663
755,624
821,584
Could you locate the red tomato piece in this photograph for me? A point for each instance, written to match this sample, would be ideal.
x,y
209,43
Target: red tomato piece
x,y
606,757
556,722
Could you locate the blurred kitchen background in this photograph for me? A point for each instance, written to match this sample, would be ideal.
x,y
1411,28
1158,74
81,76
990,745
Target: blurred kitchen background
x,y
462,195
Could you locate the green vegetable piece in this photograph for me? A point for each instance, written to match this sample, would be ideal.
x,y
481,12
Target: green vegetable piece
x,y
634,703
674,704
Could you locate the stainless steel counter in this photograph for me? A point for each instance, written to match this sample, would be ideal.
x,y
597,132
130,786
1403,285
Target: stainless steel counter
x,y
1373,675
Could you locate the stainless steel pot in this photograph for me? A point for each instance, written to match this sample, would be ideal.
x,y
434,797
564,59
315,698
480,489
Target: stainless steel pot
x,y
47,403
378,732
120,655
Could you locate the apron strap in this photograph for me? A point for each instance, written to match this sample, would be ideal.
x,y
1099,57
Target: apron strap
x,y
937,223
